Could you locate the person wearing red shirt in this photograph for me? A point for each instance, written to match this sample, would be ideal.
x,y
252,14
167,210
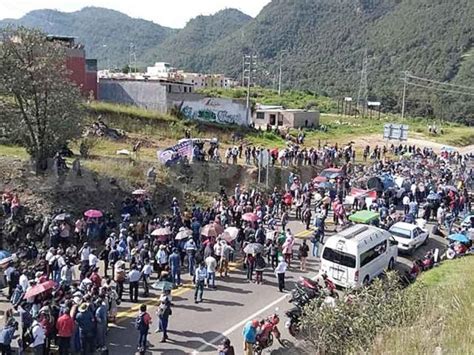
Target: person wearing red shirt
x,y
65,328
95,278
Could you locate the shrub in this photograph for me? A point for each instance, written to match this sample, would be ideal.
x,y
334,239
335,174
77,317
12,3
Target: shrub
x,y
352,325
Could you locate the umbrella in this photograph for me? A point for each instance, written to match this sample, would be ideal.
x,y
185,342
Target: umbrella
x,y
451,188
230,233
218,227
253,248
162,285
433,196
139,192
209,230
458,237
93,214
250,217
161,232
4,254
38,289
270,235
319,179
183,234
326,185
62,217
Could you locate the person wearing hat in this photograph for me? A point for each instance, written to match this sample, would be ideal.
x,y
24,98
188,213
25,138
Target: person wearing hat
x,y
250,336
86,322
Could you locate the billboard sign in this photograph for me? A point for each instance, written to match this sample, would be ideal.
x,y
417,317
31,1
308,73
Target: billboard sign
x,y
395,131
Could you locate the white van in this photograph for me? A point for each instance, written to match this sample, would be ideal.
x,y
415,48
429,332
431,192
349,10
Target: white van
x,y
358,254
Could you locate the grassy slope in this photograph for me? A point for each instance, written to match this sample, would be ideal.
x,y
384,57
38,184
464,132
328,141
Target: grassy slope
x,y
446,324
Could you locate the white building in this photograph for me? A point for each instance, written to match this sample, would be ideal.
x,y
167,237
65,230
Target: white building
x,y
161,70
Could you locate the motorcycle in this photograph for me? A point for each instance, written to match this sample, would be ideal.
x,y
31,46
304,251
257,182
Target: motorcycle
x,y
293,324
267,331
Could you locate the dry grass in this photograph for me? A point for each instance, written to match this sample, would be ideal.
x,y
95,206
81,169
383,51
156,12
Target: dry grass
x,y
445,326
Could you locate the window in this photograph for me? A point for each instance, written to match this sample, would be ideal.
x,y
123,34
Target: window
x,y
169,88
339,257
280,120
401,233
260,115
373,253
185,89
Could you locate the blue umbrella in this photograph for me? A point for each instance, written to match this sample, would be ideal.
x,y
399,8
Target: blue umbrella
x,y
4,254
458,237
326,185
433,196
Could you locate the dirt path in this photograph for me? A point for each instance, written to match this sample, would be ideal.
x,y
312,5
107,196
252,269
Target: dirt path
x,y
376,139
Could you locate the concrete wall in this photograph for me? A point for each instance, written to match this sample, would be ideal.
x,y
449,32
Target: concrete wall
x,y
146,94
225,111
292,119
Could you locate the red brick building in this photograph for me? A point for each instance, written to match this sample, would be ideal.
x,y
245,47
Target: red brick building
x,y
83,71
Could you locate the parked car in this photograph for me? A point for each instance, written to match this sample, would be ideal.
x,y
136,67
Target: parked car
x,y
409,236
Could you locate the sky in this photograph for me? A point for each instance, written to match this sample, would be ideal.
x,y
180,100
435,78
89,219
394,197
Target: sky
x,y
170,13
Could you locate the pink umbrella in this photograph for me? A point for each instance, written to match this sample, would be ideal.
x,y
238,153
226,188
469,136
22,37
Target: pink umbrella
x,y
93,214
250,217
38,289
218,227
230,234
161,232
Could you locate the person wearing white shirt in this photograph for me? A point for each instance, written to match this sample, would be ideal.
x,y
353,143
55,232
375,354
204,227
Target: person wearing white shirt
x,y
280,273
67,274
24,283
406,203
146,273
39,335
84,253
93,260
133,278
211,264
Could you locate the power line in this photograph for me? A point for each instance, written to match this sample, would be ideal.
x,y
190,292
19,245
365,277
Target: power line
x,y
440,82
440,89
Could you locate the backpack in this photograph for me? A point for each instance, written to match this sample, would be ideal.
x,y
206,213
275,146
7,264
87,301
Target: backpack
x,y
140,323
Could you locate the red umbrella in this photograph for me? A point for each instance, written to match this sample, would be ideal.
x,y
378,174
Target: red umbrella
x,y
93,214
38,289
250,217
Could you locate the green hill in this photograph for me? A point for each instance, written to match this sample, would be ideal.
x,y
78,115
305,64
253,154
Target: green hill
x,y
322,44
106,34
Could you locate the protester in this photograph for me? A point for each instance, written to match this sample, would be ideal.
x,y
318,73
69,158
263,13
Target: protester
x,y
280,273
142,324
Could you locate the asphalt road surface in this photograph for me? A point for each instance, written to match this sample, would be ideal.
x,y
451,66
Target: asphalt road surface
x,y
200,328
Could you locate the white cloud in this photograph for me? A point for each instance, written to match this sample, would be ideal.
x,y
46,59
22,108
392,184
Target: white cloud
x,y
172,13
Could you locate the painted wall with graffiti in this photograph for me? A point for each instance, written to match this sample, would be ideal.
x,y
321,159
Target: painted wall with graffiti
x,y
225,111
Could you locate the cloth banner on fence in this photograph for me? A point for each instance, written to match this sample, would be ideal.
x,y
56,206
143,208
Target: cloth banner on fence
x,y
176,152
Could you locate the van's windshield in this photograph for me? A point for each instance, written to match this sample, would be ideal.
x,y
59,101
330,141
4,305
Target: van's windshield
x,y
339,257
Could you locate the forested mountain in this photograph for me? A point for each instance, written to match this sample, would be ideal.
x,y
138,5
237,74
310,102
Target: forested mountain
x,y
186,48
107,34
321,44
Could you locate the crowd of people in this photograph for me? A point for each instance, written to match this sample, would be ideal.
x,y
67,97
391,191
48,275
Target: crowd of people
x,y
65,295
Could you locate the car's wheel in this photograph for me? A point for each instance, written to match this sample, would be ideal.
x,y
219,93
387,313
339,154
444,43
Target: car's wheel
x,y
366,281
391,263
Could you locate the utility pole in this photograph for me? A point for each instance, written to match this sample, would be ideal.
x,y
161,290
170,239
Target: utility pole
x,y
280,72
405,79
363,86
132,59
250,62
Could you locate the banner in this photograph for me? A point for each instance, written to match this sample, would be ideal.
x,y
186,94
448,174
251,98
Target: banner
x,y
173,154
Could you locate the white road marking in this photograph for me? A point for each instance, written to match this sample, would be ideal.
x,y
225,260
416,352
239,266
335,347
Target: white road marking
x,y
214,341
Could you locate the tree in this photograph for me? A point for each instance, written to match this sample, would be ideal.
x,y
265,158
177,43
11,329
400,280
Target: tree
x,y
40,108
